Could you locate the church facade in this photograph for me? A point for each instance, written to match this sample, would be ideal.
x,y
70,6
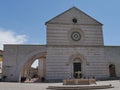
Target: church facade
x,y
74,44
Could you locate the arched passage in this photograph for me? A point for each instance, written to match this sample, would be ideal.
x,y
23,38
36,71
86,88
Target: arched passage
x,y
27,72
112,71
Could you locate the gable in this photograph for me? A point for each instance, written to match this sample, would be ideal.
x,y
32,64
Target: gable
x,y
67,17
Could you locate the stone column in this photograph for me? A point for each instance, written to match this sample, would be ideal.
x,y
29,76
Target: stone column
x,y
41,67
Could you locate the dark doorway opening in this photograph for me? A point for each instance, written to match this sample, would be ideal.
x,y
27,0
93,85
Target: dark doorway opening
x,y
77,68
112,70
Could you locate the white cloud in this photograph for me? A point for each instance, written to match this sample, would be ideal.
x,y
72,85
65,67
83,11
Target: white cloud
x,y
10,37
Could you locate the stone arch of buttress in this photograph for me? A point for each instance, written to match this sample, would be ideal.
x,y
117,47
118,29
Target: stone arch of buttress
x,y
27,65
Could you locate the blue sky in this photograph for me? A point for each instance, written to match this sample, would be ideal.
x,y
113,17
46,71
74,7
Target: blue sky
x,y
23,21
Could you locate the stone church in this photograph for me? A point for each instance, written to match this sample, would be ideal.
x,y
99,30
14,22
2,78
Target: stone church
x,y
74,43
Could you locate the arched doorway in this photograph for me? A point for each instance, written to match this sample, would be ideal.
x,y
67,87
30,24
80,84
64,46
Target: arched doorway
x,y
77,68
112,71
31,74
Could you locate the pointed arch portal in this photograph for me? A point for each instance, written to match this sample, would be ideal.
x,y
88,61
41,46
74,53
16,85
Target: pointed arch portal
x,y
77,65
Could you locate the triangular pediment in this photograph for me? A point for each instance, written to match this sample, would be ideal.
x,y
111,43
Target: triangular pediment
x,y
67,17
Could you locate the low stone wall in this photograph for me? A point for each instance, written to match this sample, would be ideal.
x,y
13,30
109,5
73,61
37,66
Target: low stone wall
x,y
79,81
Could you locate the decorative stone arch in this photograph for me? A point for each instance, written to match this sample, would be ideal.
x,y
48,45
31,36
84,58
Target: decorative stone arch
x,y
28,60
79,58
72,57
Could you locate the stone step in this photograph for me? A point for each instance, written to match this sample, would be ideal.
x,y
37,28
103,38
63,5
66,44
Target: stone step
x,y
76,87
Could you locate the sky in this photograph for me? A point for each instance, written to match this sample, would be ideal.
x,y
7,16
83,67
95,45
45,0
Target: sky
x,y
23,21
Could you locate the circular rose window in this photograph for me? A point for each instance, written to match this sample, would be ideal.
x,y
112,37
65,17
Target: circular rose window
x,y
76,36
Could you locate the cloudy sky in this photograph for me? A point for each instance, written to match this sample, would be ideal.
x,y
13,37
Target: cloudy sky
x,y
22,21
10,37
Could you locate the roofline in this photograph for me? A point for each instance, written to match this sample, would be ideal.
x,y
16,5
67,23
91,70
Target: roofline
x,y
24,44
111,46
58,15
70,9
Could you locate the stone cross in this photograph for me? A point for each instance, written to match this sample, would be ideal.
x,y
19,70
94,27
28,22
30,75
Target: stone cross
x,y
78,74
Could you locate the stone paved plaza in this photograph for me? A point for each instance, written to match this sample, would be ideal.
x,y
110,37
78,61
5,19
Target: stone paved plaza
x,y
43,86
